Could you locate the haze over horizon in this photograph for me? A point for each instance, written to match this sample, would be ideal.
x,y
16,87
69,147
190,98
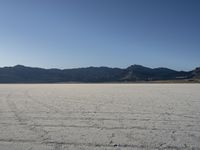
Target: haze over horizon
x,y
115,33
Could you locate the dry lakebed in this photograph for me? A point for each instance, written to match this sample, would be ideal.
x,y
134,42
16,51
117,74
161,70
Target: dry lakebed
x,y
99,116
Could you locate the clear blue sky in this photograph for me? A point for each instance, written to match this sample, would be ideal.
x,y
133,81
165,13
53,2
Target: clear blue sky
x,y
114,33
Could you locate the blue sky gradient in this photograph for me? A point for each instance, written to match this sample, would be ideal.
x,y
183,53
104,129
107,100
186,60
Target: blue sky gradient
x,y
114,33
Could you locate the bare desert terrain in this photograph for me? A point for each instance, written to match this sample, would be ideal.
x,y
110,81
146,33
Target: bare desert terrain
x,y
99,116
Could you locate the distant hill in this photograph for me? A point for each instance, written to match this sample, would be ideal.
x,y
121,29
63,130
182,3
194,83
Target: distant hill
x,y
196,73
141,73
134,73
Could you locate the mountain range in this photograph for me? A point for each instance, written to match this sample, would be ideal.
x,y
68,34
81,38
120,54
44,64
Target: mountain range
x,y
133,73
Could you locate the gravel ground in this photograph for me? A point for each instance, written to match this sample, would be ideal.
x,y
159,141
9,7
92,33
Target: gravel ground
x,y
99,116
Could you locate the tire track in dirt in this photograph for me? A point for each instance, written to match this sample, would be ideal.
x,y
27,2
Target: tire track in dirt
x,y
110,119
60,145
49,107
57,110
42,134
106,128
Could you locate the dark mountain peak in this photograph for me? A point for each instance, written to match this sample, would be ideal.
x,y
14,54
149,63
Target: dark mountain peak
x,y
196,73
197,69
138,68
22,67
19,66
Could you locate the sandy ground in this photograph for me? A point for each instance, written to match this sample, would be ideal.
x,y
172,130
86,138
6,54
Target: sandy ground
x,y
99,116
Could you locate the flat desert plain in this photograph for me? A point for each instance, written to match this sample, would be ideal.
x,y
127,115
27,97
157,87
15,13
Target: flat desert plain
x,y
99,116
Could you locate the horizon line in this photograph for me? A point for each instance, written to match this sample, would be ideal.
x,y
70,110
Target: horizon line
x,y
95,67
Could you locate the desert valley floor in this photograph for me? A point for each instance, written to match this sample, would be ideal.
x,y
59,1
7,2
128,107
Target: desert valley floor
x,y
99,116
